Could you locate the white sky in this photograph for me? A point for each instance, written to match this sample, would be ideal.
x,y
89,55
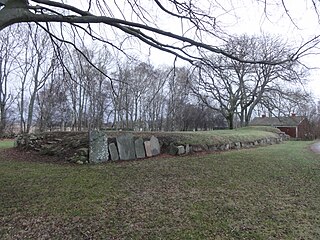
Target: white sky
x,y
242,16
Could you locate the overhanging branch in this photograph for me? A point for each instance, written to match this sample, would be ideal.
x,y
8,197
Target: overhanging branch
x,y
9,16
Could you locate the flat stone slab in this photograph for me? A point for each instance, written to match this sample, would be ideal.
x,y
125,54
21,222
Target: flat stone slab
x,y
155,146
139,148
114,155
98,147
126,147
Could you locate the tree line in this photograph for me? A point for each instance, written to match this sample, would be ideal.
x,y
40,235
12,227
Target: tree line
x,y
57,87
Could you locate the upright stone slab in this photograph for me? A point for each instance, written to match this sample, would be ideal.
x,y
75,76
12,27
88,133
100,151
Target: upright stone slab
x,y
188,150
126,147
147,147
139,147
114,155
155,146
98,147
181,150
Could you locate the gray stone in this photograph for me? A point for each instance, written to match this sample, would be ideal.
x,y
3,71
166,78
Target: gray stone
x,y
244,145
126,147
147,147
173,150
222,147
181,150
98,147
188,149
205,147
139,147
213,148
114,155
155,146
197,148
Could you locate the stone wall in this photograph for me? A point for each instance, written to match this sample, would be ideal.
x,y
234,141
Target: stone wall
x,y
97,147
123,147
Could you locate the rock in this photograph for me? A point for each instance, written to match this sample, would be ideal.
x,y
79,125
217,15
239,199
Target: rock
x,y
114,155
188,149
181,150
79,159
139,148
173,150
83,151
222,147
147,147
155,146
213,148
98,147
237,145
197,148
126,147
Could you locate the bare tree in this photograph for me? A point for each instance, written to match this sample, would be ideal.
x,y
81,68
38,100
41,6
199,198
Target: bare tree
x,y
187,43
285,101
235,88
8,52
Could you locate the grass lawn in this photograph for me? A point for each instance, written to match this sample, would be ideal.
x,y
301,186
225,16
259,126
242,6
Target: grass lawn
x,y
263,193
6,144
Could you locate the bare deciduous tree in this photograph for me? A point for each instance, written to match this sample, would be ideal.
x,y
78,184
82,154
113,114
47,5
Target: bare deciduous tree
x,y
235,88
8,53
186,43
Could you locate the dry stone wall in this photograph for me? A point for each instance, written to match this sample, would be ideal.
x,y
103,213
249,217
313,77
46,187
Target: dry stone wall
x,y
97,147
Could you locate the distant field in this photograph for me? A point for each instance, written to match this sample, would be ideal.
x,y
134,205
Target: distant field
x,y
262,193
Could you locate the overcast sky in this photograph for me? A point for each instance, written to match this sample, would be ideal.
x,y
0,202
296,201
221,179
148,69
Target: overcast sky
x,y
296,26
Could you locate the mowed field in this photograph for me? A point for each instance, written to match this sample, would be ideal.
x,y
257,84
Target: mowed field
x,y
268,192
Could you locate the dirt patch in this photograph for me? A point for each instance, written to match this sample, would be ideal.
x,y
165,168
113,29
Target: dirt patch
x,y
14,154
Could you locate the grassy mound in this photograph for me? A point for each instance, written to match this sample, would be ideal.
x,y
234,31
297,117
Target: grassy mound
x,y
70,145
247,134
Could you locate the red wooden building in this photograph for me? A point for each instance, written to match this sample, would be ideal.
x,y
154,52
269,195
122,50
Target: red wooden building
x,y
294,126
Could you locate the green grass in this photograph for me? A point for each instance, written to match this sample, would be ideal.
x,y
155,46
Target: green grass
x,y
247,134
6,144
263,193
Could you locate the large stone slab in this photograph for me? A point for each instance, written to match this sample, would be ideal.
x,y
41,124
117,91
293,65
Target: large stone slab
x,y
139,148
114,155
188,149
155,146
147,147
126,147
98,147
181,150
